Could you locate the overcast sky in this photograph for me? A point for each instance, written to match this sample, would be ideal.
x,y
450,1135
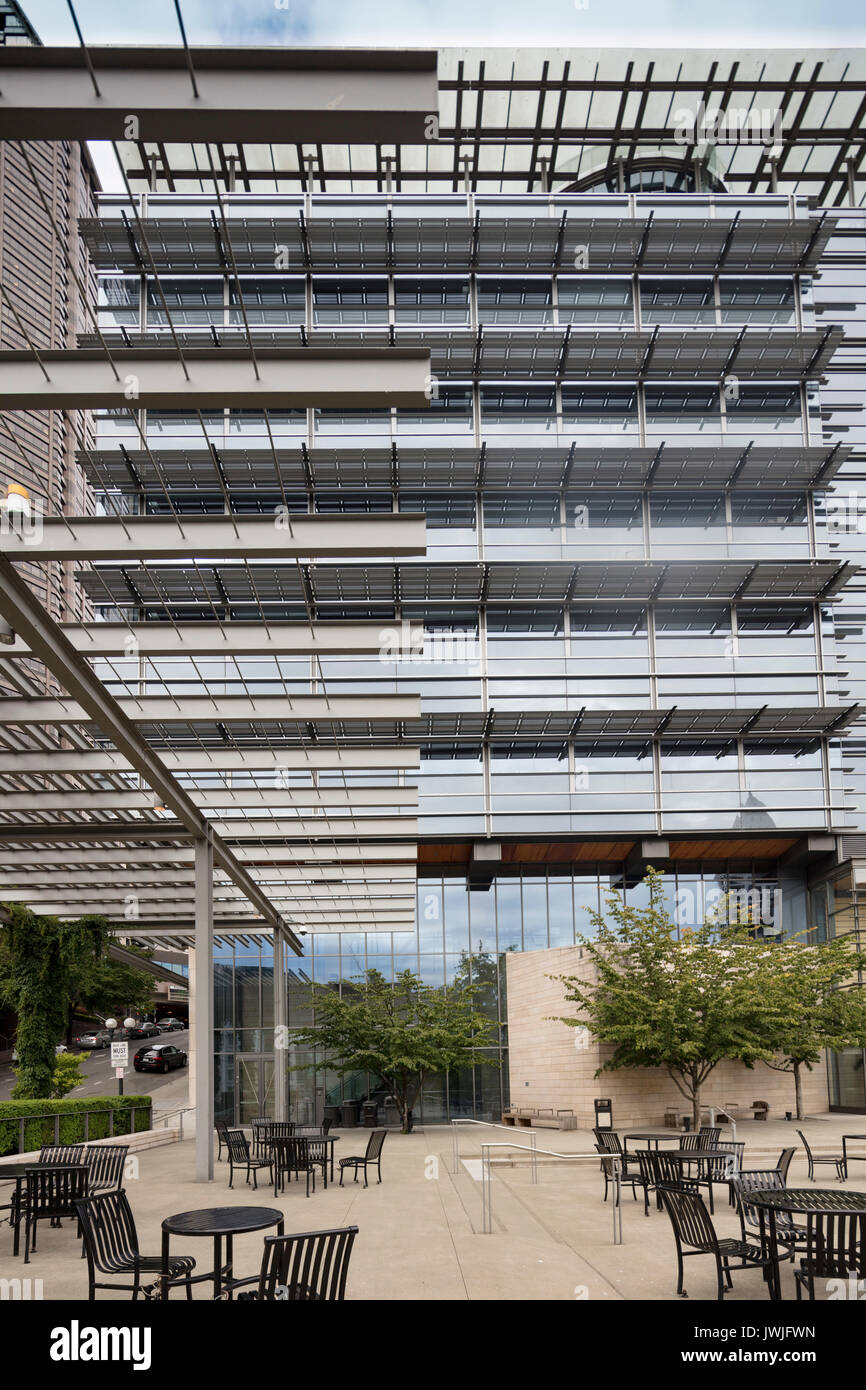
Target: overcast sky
x,y
567,23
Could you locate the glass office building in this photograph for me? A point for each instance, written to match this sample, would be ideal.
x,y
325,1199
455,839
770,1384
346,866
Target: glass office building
x,y
639,466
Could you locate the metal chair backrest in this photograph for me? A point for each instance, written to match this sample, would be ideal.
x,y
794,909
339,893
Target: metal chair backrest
x,y
291,1154
784,1162
689,1218
666,1168
836,1244
326,1126
757,1180
61,1155
261,1128
720,1170
607,1141
648,1170
281,1129
53,1191
106,1163
708,1136
805,1145
692,1141
307,1267
238,1146
374,1144
108,1229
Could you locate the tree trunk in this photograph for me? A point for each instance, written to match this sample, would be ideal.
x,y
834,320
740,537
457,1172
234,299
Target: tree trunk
x,y
696,1105
798,1090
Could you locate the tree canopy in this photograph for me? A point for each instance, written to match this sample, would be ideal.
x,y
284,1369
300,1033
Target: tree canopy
x,y
399,1033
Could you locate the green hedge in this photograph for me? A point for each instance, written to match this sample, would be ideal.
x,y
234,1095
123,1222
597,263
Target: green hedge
x,y
41,1131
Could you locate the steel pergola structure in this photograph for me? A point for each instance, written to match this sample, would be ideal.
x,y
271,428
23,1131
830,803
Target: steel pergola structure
x,y
188,862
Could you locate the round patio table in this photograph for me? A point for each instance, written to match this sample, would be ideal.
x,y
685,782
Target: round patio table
x,y
800,1201
221,1223
653,1136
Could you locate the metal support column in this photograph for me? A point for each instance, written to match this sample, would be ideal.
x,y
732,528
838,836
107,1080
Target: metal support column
x,y
204,1037
281,1051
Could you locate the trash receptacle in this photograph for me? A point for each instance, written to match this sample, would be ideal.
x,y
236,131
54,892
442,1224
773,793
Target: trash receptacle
x,y
332,1113
369,1114
392,1114
603,1114
350,1113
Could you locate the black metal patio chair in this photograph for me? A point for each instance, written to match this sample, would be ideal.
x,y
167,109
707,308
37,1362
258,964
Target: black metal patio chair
x,y
302,1268
51,1193
837,1160
260,1131
221,1128
240,1156
788,1233
693,1227
628,1177
291,1155
111,1246
373,1154
835,1249
709,1136
719,1170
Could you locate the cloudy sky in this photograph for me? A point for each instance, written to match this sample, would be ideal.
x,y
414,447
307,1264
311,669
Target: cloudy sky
x,y
625,23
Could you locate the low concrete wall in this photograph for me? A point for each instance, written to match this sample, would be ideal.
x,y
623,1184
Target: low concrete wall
x,y
553,1066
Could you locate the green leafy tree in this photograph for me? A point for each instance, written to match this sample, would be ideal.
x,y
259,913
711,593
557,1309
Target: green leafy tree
x,y
816,1008
67,1074
102,986
38,957
683,1004
399,1033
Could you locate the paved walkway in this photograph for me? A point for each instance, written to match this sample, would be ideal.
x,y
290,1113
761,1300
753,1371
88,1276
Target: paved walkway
x,y
420,1232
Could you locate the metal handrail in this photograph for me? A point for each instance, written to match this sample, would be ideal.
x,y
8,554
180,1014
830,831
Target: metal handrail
x,y
177,1113
720,1110
487,1186
485,1124
57,1116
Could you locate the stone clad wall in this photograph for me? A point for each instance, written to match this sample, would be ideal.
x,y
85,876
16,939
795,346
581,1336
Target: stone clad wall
x,y
552,1065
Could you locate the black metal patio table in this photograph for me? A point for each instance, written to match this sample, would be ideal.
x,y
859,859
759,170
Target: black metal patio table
x,y
799,1201
845,1154
651,1136
222,1224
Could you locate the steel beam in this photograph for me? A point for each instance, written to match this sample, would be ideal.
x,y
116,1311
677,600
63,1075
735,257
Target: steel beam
x,y
242,96
163,709
232,639
215,378
277,536
20,607
253,798
221,760
125,864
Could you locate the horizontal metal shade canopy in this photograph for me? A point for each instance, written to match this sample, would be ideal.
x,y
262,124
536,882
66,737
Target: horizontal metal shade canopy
x,y
244,94
253,798
457,243
530,582
166,537
446,468
154,378
227,640
219,762
164,708
552,354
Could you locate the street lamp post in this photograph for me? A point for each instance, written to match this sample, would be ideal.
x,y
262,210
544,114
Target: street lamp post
x,y
111,1026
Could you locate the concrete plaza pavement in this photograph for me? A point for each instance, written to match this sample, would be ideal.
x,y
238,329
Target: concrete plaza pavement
x,y
421,1230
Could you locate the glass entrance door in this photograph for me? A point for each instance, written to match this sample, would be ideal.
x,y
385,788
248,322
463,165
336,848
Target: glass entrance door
x,y
254,1087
